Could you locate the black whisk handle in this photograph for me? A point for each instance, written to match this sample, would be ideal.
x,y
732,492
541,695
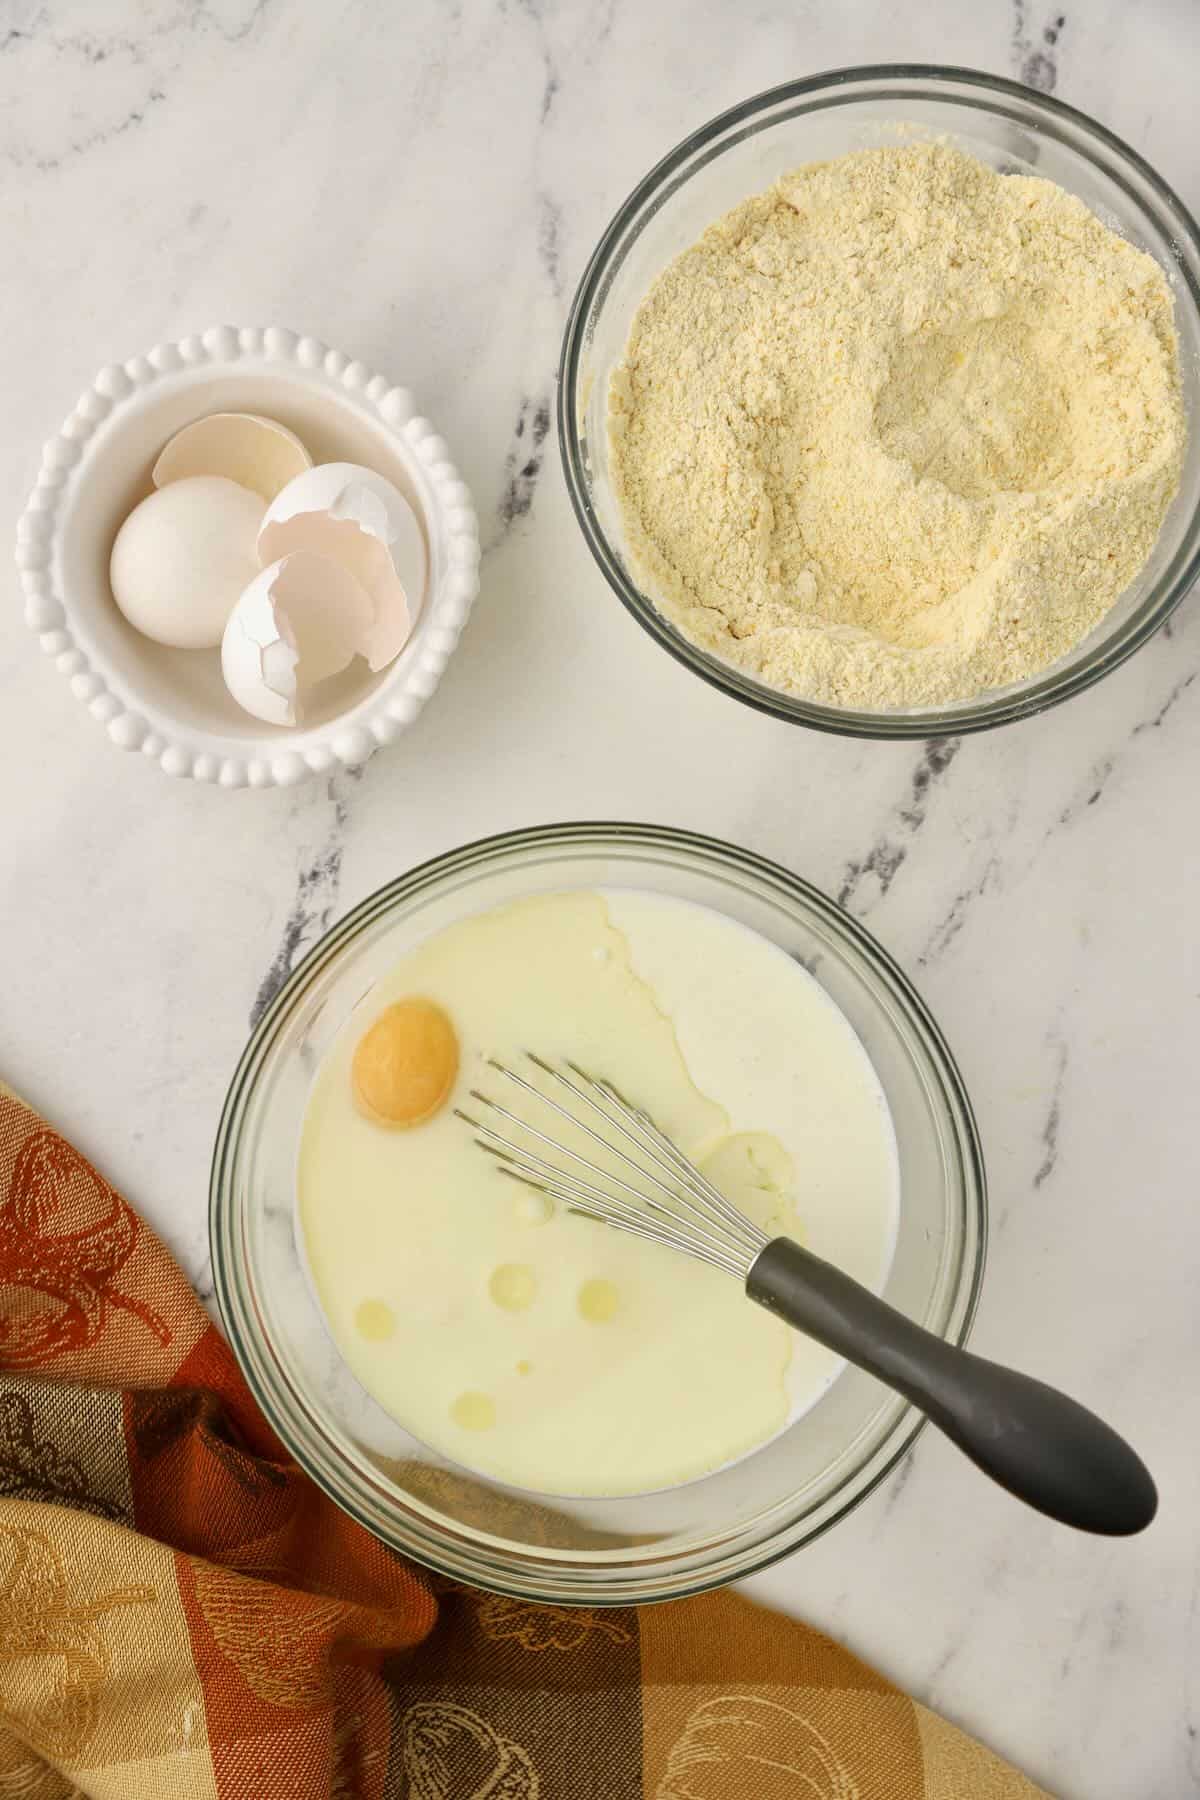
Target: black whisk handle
x,y
1042,1446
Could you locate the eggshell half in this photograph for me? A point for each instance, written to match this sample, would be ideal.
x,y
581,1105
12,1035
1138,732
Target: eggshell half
x,y
298,622
360,519
183,556
244,447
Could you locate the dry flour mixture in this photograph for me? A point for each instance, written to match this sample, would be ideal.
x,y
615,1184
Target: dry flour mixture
x,y
899,430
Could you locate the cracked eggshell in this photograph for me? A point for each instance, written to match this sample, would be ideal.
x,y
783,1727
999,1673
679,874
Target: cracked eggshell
x,y
298,622
359,519
256,452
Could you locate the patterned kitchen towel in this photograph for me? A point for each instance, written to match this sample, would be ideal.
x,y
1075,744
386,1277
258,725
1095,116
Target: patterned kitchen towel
x,y
184,1616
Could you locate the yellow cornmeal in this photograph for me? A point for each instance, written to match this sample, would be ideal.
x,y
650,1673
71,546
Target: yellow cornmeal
x,y
899,430
544,1349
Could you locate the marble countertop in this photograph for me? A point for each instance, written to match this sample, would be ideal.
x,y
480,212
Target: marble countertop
x,y
422,185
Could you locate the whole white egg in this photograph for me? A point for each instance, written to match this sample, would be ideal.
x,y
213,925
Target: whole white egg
x,y
182,558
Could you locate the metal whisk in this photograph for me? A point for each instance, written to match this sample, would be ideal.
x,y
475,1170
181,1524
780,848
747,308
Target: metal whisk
x,y
1035,1441
669,1202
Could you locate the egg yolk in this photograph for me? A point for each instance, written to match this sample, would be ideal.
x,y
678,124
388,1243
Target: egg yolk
x,y
405,1064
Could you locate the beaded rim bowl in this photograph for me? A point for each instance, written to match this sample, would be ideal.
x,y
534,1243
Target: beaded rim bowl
x,y
171,705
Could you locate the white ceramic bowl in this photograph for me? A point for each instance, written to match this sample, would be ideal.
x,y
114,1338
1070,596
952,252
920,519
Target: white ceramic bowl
x,y
172,705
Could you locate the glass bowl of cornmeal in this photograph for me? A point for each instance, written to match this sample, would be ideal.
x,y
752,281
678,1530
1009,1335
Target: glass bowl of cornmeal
x,y
522,1398
877,402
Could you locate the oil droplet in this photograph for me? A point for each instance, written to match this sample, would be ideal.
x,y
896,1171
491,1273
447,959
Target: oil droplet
x,y
513,1286
533,1209
524,1368
375,1320
474,1412
598,1301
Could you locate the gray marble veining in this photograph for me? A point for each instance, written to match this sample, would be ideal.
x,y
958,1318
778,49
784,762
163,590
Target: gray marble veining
x,y
422,185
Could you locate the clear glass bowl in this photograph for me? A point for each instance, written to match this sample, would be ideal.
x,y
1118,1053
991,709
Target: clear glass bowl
x,y
741,153
598,1552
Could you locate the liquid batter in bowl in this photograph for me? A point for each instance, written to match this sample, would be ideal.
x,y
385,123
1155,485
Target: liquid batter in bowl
x,y
542,1349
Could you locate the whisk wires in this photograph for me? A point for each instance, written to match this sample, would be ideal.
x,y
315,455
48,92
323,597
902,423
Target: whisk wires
x,y
643,1184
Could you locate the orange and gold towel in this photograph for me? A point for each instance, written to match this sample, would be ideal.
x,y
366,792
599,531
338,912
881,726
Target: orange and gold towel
x,y
183,1616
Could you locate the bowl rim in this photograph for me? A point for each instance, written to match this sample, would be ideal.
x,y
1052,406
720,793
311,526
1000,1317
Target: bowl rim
x,y
133,723
1052,117
560,1580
